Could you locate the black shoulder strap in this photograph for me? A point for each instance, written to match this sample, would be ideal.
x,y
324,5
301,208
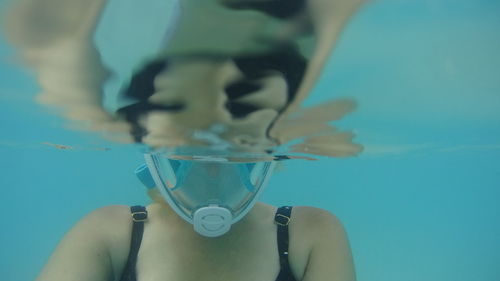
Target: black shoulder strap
x,y
139,216
282,219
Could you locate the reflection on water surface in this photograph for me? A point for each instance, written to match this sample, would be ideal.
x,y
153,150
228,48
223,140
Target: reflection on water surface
x,y
227,75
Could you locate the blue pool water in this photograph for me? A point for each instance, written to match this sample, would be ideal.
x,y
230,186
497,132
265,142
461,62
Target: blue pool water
x,y
420,203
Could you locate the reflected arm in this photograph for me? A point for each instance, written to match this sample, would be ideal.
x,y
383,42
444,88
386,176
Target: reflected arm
x,y
54,38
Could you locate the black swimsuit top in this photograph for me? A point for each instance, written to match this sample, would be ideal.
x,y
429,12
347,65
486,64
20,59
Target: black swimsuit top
x,y
140,215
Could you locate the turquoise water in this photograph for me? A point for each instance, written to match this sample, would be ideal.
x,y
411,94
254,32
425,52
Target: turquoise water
x,y
421,203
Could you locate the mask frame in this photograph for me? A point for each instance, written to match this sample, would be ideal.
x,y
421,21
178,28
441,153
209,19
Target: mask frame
x,y
209,219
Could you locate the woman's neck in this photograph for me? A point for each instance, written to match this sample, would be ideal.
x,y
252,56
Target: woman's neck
x,y
257,215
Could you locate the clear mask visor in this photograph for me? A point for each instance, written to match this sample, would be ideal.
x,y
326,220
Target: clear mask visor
x,y
189,185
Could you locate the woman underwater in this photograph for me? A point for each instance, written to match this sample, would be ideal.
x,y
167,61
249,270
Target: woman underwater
x,y
205,222
189,232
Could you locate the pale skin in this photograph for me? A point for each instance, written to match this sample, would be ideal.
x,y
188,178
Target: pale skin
x,y
97,248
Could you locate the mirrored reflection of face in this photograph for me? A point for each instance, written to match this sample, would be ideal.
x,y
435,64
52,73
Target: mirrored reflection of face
x,y
228,72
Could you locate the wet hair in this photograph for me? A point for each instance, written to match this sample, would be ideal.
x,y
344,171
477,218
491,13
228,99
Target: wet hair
x,y
282,9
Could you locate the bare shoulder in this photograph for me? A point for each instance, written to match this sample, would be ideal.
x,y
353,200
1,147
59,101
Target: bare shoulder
x,y
313,212
110,216
114,224
94,249
313,225
329,256
315,219
107,223
109,212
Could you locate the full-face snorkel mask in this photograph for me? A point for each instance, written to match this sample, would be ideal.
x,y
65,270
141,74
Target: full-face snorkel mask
x,y
210,192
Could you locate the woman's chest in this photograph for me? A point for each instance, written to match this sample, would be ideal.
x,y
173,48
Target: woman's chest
x,y
238,259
